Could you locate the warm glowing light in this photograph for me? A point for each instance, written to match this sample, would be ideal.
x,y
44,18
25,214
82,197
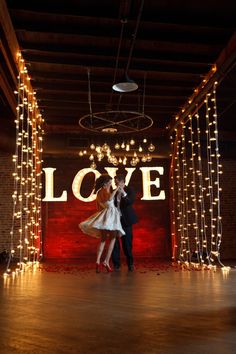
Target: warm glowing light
x,y
49,187
26,221
79,177
77,182
147,183
195,190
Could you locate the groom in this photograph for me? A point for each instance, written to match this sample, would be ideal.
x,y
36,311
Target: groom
x,y
124,200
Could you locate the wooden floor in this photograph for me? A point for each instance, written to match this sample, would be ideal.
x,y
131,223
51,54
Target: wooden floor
x,y
60,309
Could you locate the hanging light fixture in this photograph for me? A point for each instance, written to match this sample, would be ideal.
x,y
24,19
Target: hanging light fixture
x,y
118,120
151,147
122,153
126,84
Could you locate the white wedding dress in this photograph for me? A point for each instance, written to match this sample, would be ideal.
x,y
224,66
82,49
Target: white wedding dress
x,y
106,219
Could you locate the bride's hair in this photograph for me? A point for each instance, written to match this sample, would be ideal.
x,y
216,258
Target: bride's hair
x,y
99,183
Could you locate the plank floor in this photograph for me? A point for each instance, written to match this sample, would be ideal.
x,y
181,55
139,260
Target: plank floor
x,y
60,309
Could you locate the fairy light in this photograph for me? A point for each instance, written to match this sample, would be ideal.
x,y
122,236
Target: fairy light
x,y
211,147
25,233
218,172
196,220
185,200
179,222
174,172
204,242
194,192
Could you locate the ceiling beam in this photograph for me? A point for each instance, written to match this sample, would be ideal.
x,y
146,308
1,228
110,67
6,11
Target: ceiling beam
x,y
32,21
109,44
98,59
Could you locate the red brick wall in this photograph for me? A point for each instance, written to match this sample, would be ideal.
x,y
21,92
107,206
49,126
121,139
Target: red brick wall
x,y
6,189
63,238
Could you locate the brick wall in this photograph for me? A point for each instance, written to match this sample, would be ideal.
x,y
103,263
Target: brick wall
x,y
6,189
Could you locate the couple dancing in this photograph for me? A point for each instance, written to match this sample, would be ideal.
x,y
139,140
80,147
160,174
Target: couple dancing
x,y
113,220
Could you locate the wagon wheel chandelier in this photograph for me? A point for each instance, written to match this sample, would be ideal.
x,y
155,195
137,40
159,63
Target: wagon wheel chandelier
x,y
119,120
115,121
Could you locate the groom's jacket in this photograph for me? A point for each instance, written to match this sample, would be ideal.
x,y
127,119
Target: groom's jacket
x,y
128,215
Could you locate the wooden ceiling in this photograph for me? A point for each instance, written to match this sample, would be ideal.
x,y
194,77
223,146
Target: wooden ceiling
x,y
176,44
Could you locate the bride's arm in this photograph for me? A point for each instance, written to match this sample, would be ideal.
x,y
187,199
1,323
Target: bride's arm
x,y
113,193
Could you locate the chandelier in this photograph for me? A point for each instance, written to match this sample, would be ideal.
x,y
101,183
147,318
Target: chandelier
x,y
128,152
118,120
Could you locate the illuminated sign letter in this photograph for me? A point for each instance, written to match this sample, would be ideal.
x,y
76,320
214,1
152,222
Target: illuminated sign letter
x,y
112,172
49,189
76,185
147,183
130,171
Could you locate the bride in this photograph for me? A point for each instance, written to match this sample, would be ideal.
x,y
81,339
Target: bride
x,y
105,223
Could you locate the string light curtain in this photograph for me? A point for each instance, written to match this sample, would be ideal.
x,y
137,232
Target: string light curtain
x,y
25,247
195,187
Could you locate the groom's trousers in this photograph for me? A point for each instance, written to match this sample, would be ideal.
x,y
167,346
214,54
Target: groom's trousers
x,y
127,243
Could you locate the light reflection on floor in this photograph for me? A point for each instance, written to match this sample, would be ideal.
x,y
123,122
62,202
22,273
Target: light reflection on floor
x,y
68,308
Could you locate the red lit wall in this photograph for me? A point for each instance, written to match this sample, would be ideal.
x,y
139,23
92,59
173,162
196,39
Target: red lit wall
x,y
62,237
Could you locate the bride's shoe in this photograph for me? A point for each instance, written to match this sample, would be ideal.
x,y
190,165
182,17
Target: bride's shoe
x,y
98,268
108,268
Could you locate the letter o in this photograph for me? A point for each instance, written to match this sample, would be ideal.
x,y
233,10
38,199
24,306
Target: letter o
x,y
77,181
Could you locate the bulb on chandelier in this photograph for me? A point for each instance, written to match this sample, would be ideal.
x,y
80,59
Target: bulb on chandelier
x,y
140,149
132,142
151,147
105,147
117,146
100,156
115,157
133,162
93,165
115,162
108,152
111,158
149,158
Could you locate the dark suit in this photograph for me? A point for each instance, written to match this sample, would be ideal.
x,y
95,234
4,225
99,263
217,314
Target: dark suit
x,y
128,218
